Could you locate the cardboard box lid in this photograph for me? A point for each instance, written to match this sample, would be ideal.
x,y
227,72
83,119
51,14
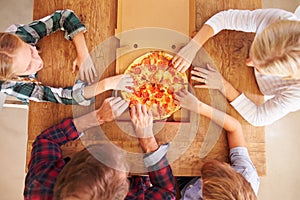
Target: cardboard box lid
x,y
175,15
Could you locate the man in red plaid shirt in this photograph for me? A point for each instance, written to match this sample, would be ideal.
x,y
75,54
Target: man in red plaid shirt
x,y
84,177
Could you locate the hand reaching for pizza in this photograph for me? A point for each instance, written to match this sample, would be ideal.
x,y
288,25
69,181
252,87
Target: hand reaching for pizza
x,y
86,67
188,101
184,58
122,82
110,109
209,76
142,121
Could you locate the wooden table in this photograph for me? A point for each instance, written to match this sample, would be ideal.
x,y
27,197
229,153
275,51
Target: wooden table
x,y
228,50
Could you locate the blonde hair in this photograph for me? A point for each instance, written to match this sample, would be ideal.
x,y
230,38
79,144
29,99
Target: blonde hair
x,y
222,182
9,43
86,175
276,50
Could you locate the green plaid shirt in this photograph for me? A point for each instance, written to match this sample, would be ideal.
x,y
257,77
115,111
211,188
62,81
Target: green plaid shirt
x,y
31,33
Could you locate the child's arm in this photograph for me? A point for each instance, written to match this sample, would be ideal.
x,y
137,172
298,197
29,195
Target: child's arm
x,y
62,20
231,125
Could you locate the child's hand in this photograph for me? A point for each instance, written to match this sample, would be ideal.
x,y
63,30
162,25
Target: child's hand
x,y
122,82
186,100
87,71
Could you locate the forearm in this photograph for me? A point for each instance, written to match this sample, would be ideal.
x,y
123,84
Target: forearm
x,y
80,45
87,121
95,89
231,125
204,34
229,91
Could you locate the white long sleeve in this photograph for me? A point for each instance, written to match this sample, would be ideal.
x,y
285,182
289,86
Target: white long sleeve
x,y
285,93
270,111
247,21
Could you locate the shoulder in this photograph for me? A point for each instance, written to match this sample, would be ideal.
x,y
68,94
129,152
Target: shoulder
x,y
241,163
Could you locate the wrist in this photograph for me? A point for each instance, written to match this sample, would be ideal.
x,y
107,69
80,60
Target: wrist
x,y
148,145
85,122
199,107
194,45
104,85
230,92
93,90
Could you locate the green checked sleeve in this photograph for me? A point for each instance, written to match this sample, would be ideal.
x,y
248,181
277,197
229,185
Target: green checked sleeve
x,y
65,20
40,93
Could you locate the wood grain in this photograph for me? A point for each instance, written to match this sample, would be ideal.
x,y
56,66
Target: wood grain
x,y
227,51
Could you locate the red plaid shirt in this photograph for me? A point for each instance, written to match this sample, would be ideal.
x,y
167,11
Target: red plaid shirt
x,y
160,184
47,161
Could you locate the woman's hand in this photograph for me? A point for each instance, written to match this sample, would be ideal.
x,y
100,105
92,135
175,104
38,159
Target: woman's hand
x,y
209,77
184,58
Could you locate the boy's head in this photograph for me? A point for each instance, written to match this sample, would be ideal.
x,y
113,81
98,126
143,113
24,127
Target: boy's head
x,y
221,182
85,177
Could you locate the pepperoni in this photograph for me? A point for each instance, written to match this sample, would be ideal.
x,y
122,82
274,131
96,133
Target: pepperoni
x,y
143,87
170,91
152,68
138,93
165,106
168,99
172,71
159,95
137,70
146,94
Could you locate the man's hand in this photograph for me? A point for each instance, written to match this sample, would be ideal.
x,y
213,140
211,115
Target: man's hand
x,y
110,109
184,58
142,121
188,101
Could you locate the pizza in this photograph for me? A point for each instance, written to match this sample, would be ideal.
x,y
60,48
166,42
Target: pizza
x,y
155,82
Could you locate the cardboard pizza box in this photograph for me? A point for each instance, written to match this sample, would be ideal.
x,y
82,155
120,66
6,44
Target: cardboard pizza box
x,y
144,26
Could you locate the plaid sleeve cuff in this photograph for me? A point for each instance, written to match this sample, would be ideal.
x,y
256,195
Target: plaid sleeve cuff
x,y
78,94
70,36
153,158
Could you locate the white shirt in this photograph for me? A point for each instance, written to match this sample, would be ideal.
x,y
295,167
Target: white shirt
x,y
285,93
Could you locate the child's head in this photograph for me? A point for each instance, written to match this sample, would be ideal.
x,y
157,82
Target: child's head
x,y
276,50
17,57
221,182
85,177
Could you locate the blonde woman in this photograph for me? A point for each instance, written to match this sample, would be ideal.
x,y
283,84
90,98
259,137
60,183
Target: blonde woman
x,y
20,60
219,180
274,54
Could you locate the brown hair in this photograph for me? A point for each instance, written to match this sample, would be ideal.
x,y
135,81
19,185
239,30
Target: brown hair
x,y
276,50
86,175
9,43
222,182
